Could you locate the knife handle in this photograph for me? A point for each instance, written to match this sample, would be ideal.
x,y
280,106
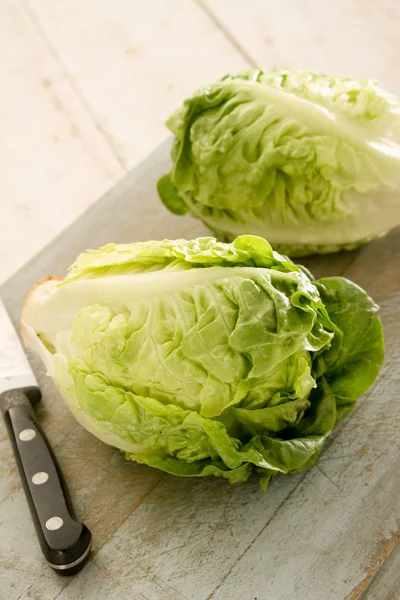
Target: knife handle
x,y
65,543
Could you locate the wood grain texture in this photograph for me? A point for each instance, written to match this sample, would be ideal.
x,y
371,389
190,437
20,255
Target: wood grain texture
x,y
53,161
356,38
328,533
86,88
385,585
134,61
23,572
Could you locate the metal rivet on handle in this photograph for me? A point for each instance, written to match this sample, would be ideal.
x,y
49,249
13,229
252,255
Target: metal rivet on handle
x,y
40,477
27,434
54,523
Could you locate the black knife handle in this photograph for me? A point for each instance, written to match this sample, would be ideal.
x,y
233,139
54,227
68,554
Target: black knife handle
x,y
65,543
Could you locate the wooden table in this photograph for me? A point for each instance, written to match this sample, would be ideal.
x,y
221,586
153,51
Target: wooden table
x,y
327,534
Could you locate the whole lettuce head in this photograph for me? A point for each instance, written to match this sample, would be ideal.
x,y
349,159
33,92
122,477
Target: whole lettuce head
x,y
308,161
205,358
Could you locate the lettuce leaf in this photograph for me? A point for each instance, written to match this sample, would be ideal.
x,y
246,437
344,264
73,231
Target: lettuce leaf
x,y
203,358
309,161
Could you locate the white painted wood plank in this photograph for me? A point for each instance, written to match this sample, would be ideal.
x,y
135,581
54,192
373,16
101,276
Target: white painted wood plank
x,y
345,37
135,61
53,161
19,47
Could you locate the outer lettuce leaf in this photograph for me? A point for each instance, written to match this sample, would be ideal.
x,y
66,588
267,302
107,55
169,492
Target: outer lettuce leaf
x,y
121,259
202,358
309,161
353,361
300,250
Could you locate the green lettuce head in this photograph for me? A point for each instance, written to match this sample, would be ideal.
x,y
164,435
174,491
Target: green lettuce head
x,y
308,161
205,358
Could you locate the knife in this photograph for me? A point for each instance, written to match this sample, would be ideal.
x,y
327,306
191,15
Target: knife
x,y
65,543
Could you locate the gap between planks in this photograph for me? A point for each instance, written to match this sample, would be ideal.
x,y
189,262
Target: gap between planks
x,y
74,87
226,32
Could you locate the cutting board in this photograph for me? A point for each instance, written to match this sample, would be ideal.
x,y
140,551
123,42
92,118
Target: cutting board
x,y
326,534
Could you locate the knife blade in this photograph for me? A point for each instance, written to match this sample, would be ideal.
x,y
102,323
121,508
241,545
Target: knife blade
x,y
64,541
15,370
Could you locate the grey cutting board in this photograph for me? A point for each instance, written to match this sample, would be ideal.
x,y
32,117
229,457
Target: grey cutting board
x,y
327,534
